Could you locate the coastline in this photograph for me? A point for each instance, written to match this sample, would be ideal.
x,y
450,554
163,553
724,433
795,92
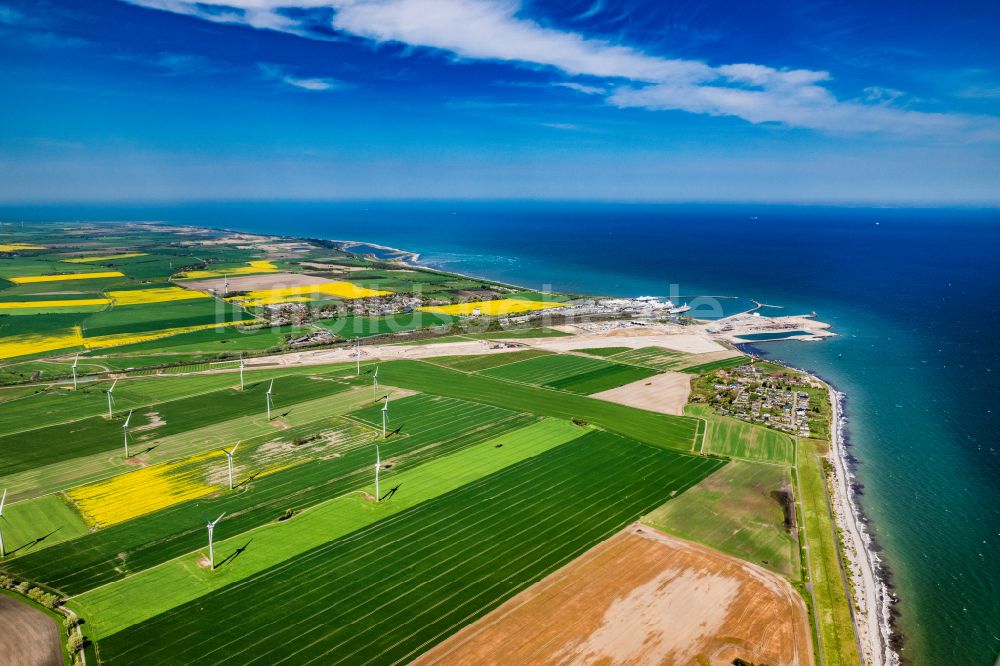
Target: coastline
x,y
871,591
871,587
872,596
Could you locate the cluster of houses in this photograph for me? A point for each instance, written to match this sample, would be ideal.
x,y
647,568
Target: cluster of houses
x,y
769,399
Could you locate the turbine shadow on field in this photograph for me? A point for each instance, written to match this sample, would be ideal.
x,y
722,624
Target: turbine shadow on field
x,y
31,544
392,491
232,556
247,480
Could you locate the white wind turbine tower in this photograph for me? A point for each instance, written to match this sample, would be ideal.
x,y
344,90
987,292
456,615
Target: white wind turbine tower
x,y
385,415
229,459
357,354
225,291
241,372
375,384
269,388
3,553
75,361
125,430
110,397
211,530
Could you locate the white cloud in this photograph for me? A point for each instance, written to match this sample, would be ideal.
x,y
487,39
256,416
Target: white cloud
x,y
579,87
312,84
495,30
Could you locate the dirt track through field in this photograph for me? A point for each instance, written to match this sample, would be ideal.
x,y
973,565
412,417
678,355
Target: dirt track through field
x,y
29,637
642,597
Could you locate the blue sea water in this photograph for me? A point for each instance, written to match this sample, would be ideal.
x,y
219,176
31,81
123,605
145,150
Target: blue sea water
x,y
912,295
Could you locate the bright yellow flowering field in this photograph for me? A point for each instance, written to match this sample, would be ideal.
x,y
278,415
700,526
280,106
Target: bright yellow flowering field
x,y
18,305
14,247
335,289
497,307
263,266
157,295
22,345
60,278
87,260
143,491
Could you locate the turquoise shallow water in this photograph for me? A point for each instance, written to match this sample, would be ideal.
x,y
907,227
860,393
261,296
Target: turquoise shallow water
x,y
913,296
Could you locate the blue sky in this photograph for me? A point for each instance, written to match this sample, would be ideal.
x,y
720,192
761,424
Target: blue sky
x,y
817,102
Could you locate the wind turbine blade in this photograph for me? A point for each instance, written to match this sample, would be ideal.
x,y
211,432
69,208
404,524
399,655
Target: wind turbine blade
x,y
219,518
236,447
76,360
2,500
113,385
128,418
271,387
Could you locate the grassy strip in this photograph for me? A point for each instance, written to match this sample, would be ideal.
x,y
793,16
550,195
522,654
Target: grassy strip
x,y
675,432
833,608
155,591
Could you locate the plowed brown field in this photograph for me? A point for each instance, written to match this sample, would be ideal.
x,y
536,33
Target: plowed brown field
x,y
642,597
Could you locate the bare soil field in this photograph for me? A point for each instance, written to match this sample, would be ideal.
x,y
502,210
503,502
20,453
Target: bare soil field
x,y
666,393
256,282
641,597
29,636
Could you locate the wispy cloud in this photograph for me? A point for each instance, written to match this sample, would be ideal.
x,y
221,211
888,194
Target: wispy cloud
x,y
496,31
280,74
579,87
176,64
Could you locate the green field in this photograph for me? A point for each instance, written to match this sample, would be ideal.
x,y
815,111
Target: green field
x,y
712,366
77,565
480,362
674,432
735,511
578,374
728,436
392,590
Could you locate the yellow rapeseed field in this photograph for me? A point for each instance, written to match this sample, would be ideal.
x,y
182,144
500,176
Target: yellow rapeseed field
x,y
157,295
143,491
497,307
14,247
59,278
87,260
31,343
335,289
17,305
252,267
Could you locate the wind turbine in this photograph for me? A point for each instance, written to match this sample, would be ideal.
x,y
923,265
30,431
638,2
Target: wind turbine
x,y
241,371
269,388
111,399
125,430
229,457
357,354
3,553
211,530
385,415
375,384
225,292
75,361
378,464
